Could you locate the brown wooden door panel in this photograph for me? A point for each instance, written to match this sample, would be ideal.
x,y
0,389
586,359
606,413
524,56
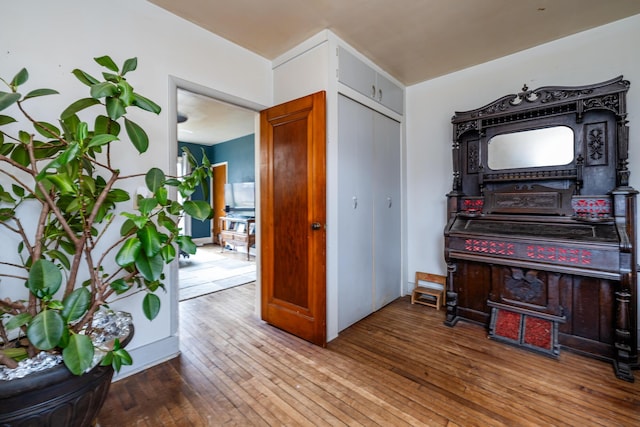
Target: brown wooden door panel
x,y
293,199
219,180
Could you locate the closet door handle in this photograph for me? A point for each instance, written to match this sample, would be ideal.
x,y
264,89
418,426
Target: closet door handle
x,y
373,91
316,226
390,201
354,202
380,95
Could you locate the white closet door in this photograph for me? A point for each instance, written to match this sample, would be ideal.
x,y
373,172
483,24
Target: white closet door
x,y
355,218
386,211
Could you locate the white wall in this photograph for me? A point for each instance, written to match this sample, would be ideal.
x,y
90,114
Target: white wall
x,y
585,58
51,38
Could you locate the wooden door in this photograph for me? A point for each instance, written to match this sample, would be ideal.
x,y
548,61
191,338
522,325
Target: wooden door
x,y
293,217
219,180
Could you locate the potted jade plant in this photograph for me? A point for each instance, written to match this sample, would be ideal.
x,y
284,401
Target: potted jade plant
x,y
74,238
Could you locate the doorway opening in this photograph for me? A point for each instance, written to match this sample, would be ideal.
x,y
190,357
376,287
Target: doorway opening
x,y
208,124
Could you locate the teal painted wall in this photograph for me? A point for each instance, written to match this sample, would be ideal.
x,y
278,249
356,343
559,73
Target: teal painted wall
x,y
239,154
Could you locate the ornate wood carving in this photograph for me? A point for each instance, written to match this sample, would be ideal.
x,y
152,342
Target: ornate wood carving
x,y
532,199
550,246
473,156
524,286
596,142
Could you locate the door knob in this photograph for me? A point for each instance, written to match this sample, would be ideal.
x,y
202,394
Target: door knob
x,y
316,226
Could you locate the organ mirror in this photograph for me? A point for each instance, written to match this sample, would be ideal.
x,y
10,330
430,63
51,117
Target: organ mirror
x,y
552,146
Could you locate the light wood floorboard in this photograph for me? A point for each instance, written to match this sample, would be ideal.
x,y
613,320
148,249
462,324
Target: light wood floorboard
x,y
398,367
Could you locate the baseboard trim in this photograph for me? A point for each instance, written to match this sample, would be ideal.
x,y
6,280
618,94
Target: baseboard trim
x,y
150,355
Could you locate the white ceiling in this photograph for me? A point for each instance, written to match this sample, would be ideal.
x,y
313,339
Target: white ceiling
x,y
413,40
210,121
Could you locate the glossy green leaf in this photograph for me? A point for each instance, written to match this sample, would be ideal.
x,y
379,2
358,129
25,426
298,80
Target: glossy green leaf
x,y
84,77
107,62
129,252
63,183
125,92
150,267
5,120
111,77
20,155
65,157
116,363
146,104
46,330
129,65
25,137
162,195
168,222
127,228
47,130
107,359
193,163
5,149
205,161
20,78
67,246
115,108
76,304
88,185
150,239
151,306
154,286
103,89
7,99
168,253
100,140
154,179
186,244
124,356
64,341
44,277
175,208
18,321
40,92
62,258
55,305
119,286
69,125
17,190
78,354
104,124
117,195
137,135
77,106
198,209
147,204
138,221
82,131
7,214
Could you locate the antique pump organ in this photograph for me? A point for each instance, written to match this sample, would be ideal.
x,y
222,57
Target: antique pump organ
x,y
540,242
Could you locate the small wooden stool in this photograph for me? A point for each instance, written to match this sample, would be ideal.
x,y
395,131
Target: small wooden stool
x,y
425,295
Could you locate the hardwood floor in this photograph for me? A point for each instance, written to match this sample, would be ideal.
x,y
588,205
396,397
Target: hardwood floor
x,y
398,367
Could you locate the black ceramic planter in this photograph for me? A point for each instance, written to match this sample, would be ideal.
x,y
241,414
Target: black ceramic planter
x,y
55,397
